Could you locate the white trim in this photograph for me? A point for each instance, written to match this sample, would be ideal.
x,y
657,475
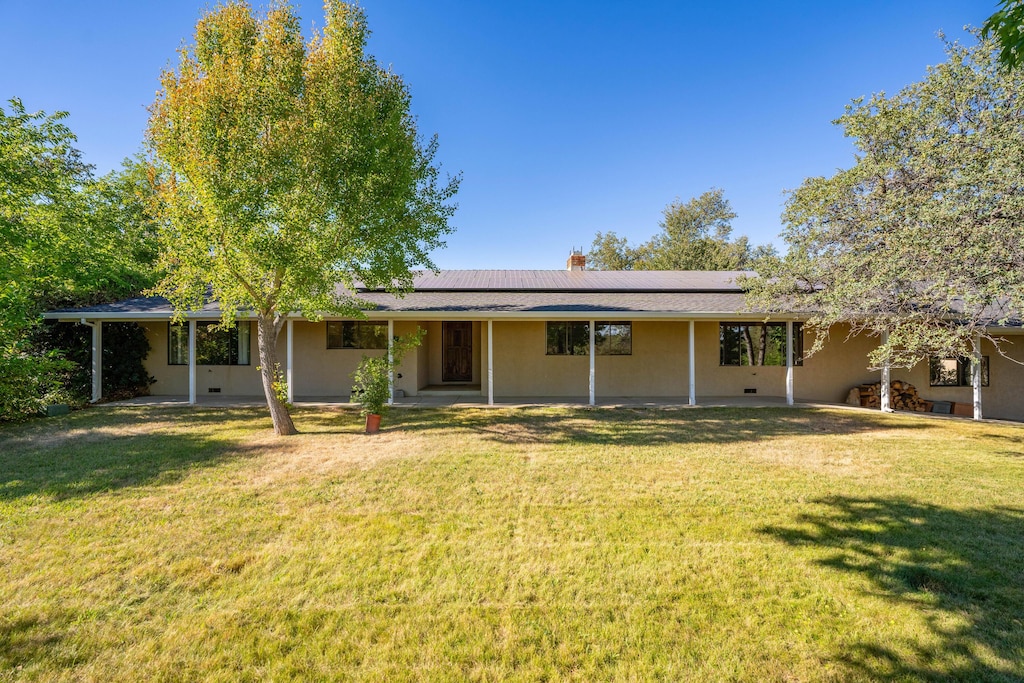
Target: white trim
x,y
976,376
290,360
391,371
490,362
693,369
789,362
592,371
97,359
191,362
481,315
885,401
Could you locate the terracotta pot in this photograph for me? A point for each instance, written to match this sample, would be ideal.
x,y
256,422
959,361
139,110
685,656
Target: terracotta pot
x,y
372,423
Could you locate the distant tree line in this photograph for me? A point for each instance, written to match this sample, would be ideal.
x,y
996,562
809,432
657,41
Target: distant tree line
x,y
695,235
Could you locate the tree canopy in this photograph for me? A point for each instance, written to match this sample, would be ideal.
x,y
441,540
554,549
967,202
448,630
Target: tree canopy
x,y
295,171
920,240
695,235
66,238
1006,27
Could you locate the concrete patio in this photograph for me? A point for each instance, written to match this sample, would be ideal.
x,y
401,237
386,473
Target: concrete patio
x,y
453,399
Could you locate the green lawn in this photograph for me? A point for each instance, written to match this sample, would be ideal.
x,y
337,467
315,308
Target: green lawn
x,y
540,544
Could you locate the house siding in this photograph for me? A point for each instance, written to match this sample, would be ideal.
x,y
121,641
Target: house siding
x,y
1002,399
172,380
658,367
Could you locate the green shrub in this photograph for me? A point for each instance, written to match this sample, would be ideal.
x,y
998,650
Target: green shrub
x,y
28,383
370,384
371,378
125,348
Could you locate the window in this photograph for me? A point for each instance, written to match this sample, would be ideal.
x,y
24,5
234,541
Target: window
x,y
215,344
955,372
759,344
611,338
568,339
177,345
357,334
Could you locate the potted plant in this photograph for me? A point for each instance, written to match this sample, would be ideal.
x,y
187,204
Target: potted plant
x,y
372,379
370,387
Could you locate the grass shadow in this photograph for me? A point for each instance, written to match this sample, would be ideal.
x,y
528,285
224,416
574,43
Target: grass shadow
x,y
643,426
956,565
104,450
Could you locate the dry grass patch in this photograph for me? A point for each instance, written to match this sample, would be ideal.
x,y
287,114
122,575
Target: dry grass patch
x,y
176,544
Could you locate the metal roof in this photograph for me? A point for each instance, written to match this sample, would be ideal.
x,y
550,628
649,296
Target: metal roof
x,y
511,292
540,294
482,304
533,301
518,290
580,281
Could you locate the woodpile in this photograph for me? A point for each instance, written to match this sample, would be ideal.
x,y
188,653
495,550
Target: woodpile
x,y
902,396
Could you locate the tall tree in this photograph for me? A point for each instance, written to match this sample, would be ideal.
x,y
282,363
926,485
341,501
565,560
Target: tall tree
x,y
1006,27
295,171
920,240
40,173
65,239
695,235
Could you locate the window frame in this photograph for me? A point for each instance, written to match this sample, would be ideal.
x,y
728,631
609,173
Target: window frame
x,y
351,335
177,341
963,372
740,354
234,343
604,342
576,338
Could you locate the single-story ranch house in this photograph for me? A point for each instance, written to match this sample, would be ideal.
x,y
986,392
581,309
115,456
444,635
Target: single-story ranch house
x,y
569,334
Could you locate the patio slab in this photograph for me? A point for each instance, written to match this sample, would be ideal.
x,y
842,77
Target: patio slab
x,y
469,399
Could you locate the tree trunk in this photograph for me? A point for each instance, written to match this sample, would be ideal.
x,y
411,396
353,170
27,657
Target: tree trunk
x,y
762,345
750,344
267,338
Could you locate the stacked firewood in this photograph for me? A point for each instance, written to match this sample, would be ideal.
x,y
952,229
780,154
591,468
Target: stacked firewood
x,y
902,396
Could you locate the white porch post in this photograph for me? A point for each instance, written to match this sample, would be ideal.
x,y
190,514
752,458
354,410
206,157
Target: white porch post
x,y
592,396
976,376
693,369
886,405
490,362
97,361
789,362
391,356
290,360
191,362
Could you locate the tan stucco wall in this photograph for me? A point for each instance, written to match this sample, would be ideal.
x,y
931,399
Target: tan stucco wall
x,y
840,365
825,376
1002,399
318,371
658,367
522,369
172,380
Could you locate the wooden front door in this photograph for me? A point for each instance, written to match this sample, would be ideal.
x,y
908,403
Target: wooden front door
x,y
457,352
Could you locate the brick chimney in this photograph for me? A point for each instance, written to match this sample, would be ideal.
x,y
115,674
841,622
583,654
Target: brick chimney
x,y
577,261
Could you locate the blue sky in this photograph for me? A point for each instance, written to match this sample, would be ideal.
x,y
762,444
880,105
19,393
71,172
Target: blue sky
x,y
565,118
